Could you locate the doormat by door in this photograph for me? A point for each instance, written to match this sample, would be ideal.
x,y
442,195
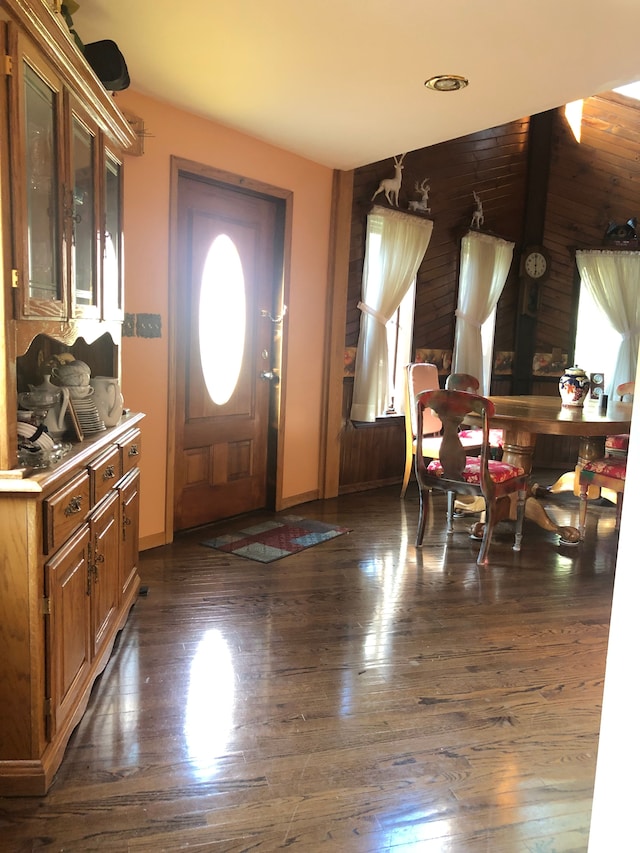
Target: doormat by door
x,y
274,539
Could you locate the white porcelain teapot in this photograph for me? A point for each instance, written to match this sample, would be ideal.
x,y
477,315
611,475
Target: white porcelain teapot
x,y
108,399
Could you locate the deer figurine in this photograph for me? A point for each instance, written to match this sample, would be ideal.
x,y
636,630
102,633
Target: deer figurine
x,y
422,205
477,219
391,186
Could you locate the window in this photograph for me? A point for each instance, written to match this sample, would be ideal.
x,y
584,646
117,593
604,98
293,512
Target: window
x,y
611,277
487,334
396,245
399,328
485,261
597,342
399,339
222,319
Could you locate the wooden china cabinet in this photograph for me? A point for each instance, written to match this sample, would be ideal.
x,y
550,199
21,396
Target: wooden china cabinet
x,y
68,532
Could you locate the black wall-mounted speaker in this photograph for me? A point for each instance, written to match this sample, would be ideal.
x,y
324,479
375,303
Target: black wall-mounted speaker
x,y
108,64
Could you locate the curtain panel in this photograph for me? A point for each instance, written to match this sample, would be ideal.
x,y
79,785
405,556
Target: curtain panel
x,y
613,279
484,266
396,243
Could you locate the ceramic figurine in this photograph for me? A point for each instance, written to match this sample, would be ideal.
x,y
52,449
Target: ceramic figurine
x,y
477,220
574,386
422,205
391,186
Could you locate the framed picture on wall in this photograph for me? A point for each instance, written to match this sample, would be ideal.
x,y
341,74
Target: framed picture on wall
x,y
549,363
503,363
349,361
440,357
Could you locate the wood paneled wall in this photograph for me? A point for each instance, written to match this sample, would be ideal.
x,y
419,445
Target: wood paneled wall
x,y
590,184
494,164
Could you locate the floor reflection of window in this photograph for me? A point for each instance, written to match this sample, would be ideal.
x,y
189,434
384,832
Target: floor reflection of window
x,y
209,712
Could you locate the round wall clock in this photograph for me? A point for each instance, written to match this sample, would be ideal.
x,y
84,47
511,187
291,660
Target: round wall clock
x,y
535,263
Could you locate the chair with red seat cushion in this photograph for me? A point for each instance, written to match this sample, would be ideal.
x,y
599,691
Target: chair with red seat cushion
x,y
606,473
455,473
468,382
618,445
421,376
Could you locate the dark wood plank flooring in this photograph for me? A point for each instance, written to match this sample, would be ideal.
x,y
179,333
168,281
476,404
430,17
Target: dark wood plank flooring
x,y
358,696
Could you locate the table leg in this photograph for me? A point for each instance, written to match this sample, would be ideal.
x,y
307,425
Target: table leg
x,y
591,447
518,450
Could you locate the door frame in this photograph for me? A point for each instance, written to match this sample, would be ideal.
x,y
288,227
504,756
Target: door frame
x,y
189,168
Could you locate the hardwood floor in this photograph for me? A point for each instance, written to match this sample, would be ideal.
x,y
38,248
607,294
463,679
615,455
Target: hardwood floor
x,y
358,696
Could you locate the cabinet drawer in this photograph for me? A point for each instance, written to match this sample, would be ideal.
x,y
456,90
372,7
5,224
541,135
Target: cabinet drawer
x,y
65,510
104,472
131,448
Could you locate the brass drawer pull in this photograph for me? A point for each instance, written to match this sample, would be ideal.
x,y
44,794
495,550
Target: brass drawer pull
x,y
133,450
74,505
109,473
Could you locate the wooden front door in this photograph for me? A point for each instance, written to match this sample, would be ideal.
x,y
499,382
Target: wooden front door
x,y
224,334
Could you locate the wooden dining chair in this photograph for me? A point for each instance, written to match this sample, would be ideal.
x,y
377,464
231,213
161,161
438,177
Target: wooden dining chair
x,y
618,445
470,383
607,473
421,376
456,473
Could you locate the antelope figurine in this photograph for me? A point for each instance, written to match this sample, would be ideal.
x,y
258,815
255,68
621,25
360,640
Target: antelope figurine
x,y
391,186
477,220
422,205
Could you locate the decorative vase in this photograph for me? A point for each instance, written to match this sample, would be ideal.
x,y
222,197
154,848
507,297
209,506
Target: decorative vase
x,y
574,387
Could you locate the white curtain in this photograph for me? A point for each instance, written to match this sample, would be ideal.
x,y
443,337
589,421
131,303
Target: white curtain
x,y
396,245
484,266
613,279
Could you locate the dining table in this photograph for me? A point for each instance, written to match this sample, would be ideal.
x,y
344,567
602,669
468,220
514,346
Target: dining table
x,y
522,418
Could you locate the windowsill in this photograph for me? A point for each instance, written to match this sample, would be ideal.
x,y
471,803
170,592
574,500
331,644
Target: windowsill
x,y
380,421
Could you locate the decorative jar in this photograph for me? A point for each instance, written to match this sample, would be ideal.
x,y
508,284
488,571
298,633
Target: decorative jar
x,y
574,386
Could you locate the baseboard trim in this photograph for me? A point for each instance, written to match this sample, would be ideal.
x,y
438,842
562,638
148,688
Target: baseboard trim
x,y
294,500
154,541
365,487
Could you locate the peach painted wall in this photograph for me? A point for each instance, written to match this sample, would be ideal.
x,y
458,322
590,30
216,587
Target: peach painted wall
x,y
145,360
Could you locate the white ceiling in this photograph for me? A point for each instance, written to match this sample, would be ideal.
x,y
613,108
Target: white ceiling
x,y
341,82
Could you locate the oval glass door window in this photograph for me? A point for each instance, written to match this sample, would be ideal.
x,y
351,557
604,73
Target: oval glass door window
x,y
222,319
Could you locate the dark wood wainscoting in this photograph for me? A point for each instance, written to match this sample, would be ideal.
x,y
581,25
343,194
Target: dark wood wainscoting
x,y
371,455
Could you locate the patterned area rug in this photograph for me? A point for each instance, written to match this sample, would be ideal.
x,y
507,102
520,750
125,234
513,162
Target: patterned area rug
x,y
274,539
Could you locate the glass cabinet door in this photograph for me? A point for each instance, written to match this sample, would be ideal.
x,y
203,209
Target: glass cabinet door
x,y
112,248
80,208
42,104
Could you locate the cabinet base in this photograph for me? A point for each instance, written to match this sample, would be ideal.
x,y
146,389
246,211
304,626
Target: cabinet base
x,y
33,777
23,779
